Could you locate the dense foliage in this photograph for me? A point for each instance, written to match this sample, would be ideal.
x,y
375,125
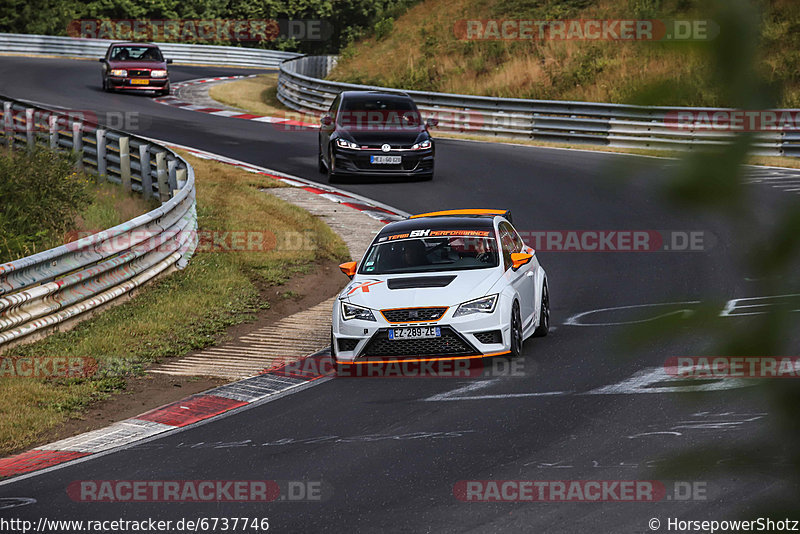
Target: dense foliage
x,y
350,18
40,197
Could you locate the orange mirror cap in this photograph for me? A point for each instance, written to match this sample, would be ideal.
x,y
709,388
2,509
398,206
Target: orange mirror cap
x,y
349,268
518,259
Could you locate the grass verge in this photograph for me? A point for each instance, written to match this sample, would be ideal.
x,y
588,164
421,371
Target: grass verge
x,y
186,310
257,95
426,49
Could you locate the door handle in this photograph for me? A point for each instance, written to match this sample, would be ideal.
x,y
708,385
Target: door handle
x,y
529,274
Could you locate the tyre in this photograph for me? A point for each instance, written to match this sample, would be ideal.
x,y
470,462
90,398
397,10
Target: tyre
x,y
516,331
331,174
544,314
333,354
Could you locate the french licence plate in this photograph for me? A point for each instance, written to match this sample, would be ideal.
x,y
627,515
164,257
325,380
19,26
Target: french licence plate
x,y
390,160
140,81
415,332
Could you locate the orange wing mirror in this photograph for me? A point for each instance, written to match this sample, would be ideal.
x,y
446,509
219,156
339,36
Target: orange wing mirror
x,y
518,259
349,268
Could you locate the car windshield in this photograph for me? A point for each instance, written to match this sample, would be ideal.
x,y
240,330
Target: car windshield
x,y
135,53
431,254
367,113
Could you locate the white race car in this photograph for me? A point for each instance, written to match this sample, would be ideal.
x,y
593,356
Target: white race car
x,y
446,285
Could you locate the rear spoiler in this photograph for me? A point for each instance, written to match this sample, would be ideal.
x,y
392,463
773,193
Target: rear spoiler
x,y
467,213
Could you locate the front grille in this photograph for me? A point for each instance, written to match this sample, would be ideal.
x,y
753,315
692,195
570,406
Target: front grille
x,y
449,344
406,315
408,163
347,344
492,336
135,72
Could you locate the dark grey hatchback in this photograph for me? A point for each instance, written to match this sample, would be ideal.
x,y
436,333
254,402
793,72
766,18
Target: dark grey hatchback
x,y
375,133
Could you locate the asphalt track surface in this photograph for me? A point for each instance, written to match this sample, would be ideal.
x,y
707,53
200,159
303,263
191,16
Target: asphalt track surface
x,y
389,451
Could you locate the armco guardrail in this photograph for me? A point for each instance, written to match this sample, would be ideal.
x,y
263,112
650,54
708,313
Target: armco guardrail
x,y
301,87
56,286
16,43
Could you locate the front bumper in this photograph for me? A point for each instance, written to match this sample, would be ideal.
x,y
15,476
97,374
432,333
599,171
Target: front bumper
x,y
468,337
357,162
153,84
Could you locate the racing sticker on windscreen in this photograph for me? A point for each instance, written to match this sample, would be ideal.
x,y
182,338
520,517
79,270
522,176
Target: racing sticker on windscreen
x,y
436,233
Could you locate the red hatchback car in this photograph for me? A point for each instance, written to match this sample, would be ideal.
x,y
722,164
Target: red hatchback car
x,y
135,66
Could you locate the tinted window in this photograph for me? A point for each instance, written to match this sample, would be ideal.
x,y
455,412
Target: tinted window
x,y
135,53
431,254
378,104
378,112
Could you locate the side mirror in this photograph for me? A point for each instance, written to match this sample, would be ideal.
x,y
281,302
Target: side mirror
x,y
518,259
349,268
102,60
432,122
169,62
326,120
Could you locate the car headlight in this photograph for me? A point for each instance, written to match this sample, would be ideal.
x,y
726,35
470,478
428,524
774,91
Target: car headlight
x,y
158,73
481,305
344,143
351,311
119,72
421,146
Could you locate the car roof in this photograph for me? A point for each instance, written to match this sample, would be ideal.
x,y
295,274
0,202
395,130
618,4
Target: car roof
x,y
131,43
373,94
438,223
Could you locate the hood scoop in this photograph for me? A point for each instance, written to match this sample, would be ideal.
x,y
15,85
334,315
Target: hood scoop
x,y
419,281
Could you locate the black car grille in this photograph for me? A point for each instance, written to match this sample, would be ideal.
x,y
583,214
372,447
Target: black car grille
x,y
407,315
136,72
409,162
449,344
492,336
347,344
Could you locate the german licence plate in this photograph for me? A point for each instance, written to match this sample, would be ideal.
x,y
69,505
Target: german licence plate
x,y
415,332
140,81
386,160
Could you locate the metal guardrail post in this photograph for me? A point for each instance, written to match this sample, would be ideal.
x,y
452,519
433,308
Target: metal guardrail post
x,y
125,162
144,171
52,123
180,175
29,139
77,143
161,174
8,123
101,153
173,181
